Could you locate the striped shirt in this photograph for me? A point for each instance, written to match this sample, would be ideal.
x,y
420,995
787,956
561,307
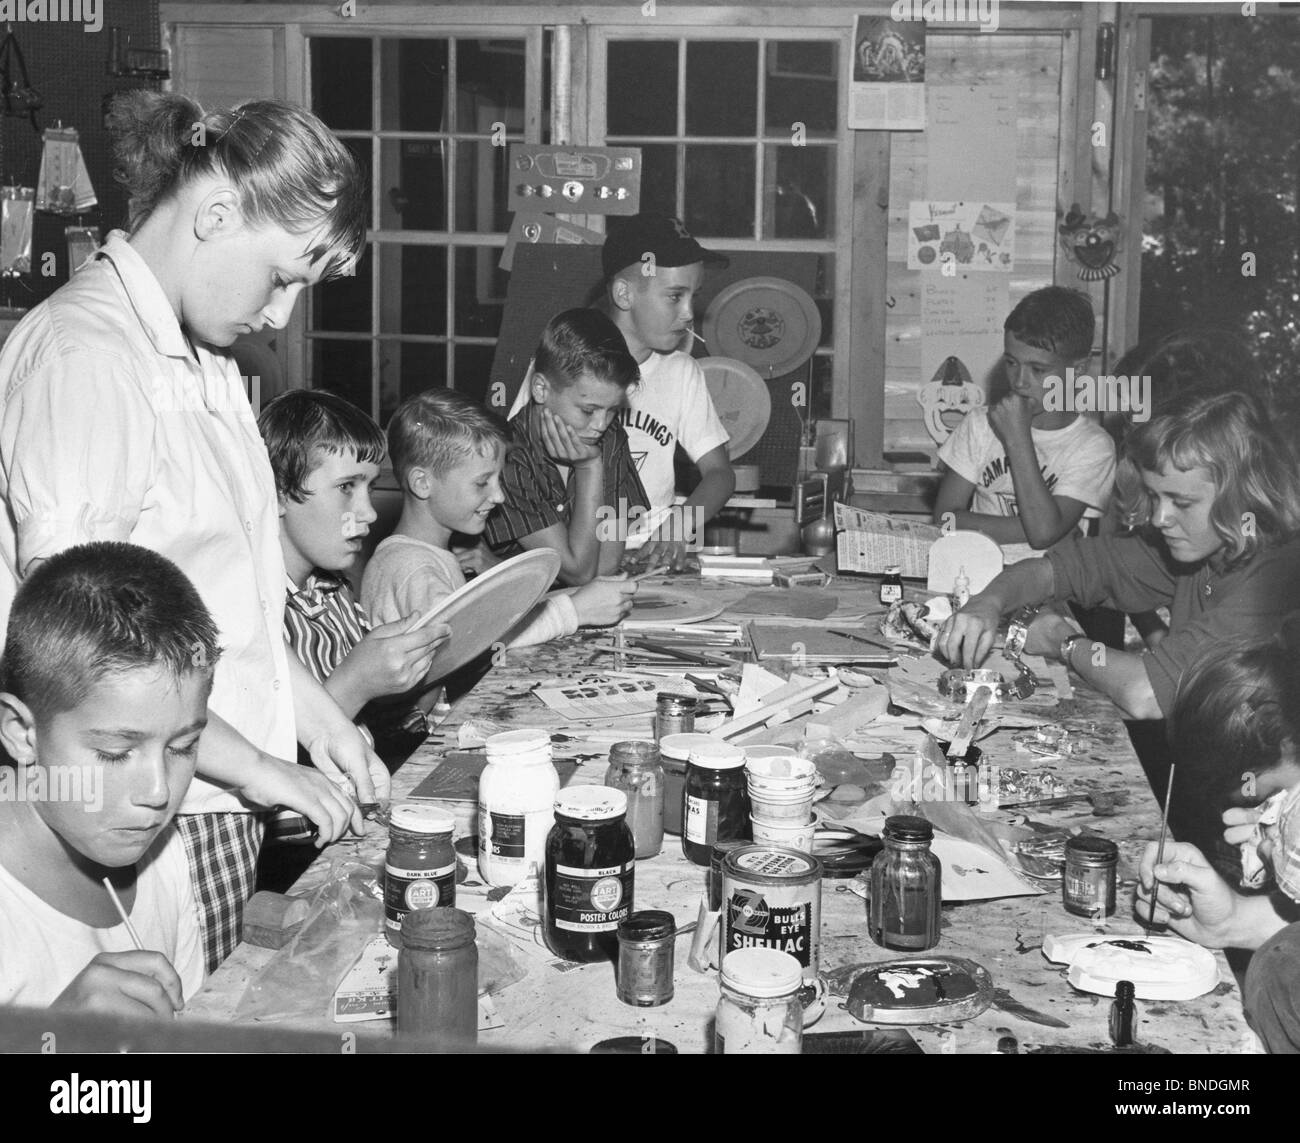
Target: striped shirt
x,y
537,493
322,622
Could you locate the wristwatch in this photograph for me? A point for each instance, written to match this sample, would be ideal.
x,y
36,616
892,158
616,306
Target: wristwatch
x,y
1018,631
1068,644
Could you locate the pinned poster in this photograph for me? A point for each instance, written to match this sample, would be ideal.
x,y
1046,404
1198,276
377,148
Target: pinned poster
x,y
970,140
973,235
962,317
887,88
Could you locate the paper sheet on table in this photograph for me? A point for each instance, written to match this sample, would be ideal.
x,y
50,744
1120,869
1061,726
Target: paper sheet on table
x,y
972,873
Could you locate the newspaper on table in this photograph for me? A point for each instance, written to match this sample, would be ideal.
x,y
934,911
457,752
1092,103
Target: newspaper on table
x,y
869,542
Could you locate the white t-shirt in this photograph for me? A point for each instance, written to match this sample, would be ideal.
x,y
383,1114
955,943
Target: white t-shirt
x,y
670,406
42,950
1077,461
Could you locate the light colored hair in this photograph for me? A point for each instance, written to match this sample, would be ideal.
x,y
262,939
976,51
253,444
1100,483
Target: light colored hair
x,y
439,428
1252,468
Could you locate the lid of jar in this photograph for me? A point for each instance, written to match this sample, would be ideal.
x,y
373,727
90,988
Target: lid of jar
x,y
677,696
1089,845
771,752
903,827
416,818
510,743
633,1046
680,745
715,755
762,972
634,753
437,929
647,925
590,803
893,569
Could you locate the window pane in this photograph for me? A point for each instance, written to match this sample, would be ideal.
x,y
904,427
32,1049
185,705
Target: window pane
x,y
342,367
489,85
473,368
340,82
641,91
659,178
480,291
482,187
824,296
804,192
413,190
343,304
407,368
721,88
413,289
413,85
720,191
803,87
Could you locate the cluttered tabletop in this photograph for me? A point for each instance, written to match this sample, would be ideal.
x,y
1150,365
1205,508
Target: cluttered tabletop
x,y
836,679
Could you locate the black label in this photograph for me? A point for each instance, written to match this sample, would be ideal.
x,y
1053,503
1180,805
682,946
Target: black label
x,y
506,834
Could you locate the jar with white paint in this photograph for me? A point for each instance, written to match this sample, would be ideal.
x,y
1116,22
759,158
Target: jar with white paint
x,y
516,805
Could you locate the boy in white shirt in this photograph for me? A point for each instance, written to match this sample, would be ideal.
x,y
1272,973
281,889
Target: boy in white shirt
x,y
107,671
653,270
1018,472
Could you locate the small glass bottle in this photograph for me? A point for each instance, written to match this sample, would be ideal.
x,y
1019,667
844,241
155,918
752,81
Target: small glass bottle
x,y
715,804
906,887
645,958
674,714
1123,1015
1088,881
420,867
637,770
590,874
891,586
960,589
759,1012
437,978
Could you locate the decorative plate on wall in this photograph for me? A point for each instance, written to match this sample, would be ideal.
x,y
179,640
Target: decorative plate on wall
x,y
768,323
741,400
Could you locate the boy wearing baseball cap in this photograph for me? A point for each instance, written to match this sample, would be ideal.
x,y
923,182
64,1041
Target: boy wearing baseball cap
x,y
653,269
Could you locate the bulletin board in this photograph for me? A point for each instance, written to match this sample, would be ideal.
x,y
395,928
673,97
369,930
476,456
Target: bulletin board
x,y
992,144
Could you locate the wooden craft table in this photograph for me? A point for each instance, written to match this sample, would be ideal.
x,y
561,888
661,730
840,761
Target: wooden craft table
x,y
572,1010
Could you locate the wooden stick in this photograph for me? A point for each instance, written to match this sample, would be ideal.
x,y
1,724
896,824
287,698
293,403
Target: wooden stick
x,y
1160,850
652,573
121,912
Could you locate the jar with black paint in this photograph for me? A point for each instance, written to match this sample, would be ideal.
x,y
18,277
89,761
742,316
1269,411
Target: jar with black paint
x,y
590,873
906,887
715,803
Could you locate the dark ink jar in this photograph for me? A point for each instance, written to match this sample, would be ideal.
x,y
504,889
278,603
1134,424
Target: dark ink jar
x,y
590,873
715,804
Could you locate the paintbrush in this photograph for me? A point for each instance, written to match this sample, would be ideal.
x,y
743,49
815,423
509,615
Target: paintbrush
x,y
862,639
682,653
1160,849
651,574
121,912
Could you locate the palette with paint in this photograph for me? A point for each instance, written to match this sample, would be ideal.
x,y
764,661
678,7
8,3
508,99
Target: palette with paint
x,y
922,990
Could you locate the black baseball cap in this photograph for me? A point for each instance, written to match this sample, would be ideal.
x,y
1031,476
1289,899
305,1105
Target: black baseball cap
x,y
629,239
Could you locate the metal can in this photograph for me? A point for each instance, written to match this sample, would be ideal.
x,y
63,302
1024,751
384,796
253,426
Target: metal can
x,y
645,958
674,714
1088,883
772,898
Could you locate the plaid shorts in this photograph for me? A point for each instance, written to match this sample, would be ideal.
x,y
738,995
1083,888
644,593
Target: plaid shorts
x,y
222,849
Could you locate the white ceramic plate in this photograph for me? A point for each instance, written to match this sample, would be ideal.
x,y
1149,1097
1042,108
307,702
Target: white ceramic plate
x,y
741,400
489,605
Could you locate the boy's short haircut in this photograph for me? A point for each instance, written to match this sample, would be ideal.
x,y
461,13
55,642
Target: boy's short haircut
x,y
437,429
300,424
581,341
1058,320
100,609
